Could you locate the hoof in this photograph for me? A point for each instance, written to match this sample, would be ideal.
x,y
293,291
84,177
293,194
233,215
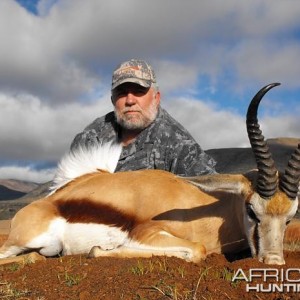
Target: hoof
x,y
199,253
33,257
96,251
23,259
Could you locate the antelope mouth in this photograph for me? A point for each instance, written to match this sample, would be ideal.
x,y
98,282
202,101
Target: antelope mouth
x,y
272,259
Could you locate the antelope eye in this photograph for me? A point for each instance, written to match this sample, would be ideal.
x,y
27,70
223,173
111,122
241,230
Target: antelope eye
x,y
251,214
288,222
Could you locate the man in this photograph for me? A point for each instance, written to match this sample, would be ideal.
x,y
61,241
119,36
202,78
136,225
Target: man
x,y
151,138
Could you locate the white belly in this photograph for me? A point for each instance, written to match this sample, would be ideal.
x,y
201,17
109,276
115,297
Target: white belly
x,y
76,238
80,238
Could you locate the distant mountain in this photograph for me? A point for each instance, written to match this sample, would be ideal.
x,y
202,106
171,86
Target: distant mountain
x,y
41,191
293,142
9,207
19,185
13,189
8,194
240,160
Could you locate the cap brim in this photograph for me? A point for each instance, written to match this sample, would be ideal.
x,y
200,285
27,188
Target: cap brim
x,y
144,83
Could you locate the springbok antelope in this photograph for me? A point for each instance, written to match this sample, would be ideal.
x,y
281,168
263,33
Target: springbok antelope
x,y
153,212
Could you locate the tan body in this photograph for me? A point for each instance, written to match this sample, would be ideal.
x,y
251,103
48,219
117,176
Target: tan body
x,y
167,215
186,219
163,203
152,212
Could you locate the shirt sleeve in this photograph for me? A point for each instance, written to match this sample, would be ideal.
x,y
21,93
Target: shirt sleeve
x,y
85,139
99,131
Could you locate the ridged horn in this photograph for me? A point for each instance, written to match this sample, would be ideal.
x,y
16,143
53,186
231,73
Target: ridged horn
x,y
289,182
267,173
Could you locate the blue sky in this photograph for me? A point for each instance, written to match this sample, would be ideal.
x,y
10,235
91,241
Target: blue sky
x,y
37,7
30,5
210,58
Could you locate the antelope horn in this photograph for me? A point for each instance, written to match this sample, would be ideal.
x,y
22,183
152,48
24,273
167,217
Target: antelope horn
x,y
267,173
289,182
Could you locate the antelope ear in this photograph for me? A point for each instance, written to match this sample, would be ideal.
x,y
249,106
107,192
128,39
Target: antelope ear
x,y
252,176
230,183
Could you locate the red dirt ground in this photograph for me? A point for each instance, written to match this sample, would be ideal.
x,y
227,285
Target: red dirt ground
x,y
76,277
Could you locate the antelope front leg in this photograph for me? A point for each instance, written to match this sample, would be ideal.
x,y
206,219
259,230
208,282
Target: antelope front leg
x,y
292,233
23,259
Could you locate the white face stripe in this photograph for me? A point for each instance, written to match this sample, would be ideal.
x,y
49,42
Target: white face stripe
x,y
294,208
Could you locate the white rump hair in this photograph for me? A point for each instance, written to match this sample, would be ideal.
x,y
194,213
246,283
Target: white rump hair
x,y
85,160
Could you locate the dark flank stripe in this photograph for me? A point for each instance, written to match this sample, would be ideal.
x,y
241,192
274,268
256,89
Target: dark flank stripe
x,y
86,211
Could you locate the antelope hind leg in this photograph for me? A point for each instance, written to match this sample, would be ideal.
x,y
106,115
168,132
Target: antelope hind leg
x,y
159,243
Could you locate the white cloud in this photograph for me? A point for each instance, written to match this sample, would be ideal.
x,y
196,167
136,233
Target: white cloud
x,y
175,76
68,51
215,128
26,173
210,128
30,129
284,126
44,6
55,68
268,61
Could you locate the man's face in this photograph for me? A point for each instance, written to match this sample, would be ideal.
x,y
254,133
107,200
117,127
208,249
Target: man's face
x,y
135,106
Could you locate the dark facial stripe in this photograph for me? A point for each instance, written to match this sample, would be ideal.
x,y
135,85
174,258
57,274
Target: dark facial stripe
x,y
256,238
86,211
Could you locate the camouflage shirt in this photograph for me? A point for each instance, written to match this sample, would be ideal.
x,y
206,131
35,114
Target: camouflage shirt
x,y
165,145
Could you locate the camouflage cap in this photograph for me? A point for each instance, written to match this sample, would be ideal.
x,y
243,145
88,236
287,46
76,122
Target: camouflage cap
x,y
134,70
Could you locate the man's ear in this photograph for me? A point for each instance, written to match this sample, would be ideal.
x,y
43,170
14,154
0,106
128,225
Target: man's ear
x,y
157,98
